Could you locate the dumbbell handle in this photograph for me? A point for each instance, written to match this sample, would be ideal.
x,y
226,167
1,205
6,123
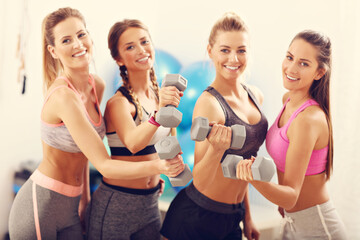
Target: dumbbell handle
x,y
262,168
236,143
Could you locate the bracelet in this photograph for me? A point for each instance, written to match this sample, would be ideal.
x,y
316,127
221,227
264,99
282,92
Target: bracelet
x,y
152,119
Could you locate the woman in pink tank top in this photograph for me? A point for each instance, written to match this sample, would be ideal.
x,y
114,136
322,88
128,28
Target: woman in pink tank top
x,y
301,144
49,203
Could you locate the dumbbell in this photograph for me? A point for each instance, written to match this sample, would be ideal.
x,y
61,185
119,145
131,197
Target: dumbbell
x,y
200,129
262,169
169,116
168,148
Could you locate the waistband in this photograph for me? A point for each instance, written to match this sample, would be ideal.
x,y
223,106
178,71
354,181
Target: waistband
x,y
55,185
134,191
311,210
123,151
211,205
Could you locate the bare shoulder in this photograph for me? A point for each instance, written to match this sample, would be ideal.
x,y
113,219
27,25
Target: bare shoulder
x,y
257,93
312,119
117,100
208,106
285,97
99,82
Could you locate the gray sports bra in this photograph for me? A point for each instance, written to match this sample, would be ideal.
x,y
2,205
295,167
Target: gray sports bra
x,y
58,136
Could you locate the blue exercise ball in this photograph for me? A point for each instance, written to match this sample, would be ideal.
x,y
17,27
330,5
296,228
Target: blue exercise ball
x,y
165,63
199,75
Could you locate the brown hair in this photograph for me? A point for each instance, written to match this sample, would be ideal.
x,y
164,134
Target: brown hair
x,y
229,22
113,41
320,89
51,66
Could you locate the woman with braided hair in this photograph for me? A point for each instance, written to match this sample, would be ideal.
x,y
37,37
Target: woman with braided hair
x,y
51,203
122,208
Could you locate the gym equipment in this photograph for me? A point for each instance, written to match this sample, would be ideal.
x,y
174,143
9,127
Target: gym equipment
x,y
169,116
200,129
262,169
168,148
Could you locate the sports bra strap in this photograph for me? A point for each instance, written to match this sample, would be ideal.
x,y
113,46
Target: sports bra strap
x,y
306,104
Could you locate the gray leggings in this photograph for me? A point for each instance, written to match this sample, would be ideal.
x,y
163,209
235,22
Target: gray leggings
x,y
123,213
57,218
318,222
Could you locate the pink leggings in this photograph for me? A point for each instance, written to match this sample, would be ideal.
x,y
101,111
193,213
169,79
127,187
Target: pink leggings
x,y
45,208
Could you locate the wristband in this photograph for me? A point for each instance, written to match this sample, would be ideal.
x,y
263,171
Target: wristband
x,y
152,119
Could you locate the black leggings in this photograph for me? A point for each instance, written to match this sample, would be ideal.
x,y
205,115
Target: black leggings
x,y
186,219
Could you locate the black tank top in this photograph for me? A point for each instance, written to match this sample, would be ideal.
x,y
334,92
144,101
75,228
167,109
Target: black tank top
x,y
255,134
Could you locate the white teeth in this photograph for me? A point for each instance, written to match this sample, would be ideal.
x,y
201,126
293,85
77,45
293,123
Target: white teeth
x,y
292,78
231,68
80,54
143,59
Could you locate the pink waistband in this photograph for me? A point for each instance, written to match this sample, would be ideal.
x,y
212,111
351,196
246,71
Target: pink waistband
x,y
55,185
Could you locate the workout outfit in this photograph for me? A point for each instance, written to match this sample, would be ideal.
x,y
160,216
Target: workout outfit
x,y
45,208
317,222
191,214
117,212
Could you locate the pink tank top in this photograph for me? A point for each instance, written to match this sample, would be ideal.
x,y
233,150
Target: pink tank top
x,y
277,143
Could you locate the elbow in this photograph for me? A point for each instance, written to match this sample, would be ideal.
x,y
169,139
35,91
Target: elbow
x,y
133,147
104,170
291,202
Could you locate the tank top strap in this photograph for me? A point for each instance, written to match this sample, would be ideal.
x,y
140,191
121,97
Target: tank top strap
x,y
306,104
225,107
92,82
252,97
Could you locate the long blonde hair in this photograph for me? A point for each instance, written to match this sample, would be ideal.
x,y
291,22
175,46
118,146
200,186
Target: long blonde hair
x,y
51,66
113,39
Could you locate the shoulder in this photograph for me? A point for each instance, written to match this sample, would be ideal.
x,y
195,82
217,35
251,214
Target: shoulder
x,y
118,99
311,120
208,106
256,92
285,97
99,82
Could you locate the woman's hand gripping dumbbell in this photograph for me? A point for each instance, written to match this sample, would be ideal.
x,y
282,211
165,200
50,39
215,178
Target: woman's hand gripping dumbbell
x,y
168,148
200,129
259,168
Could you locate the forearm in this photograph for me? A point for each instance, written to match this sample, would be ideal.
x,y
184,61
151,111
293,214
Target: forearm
x,y
204,171
117,169
281,195
139,137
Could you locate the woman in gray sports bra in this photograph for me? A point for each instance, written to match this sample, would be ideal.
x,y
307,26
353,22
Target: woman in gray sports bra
x,y
128,209
212,206
72,127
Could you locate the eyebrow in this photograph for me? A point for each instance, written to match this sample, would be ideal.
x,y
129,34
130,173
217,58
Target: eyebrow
x,y
242,46
129,43
302,59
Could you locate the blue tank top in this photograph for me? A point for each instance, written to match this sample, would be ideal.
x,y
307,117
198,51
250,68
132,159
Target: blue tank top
x,y
255,134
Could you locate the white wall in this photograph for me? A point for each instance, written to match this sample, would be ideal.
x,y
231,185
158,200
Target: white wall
x,y
182,28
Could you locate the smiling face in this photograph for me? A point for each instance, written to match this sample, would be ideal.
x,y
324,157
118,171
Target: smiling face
x,y
229,53
300,66
136,50
73,45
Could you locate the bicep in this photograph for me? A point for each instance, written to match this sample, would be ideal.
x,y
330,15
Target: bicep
x,y
301,144
119,115
210,109
81,130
